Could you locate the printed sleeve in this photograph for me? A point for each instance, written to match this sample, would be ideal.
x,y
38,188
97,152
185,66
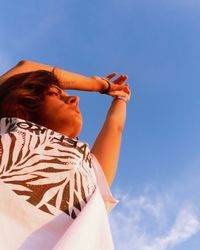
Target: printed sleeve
x,y
103,186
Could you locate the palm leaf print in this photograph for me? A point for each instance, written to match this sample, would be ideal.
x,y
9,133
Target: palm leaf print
x,y
50,171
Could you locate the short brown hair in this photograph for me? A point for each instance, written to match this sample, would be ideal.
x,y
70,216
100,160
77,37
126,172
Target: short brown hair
x,y
22,95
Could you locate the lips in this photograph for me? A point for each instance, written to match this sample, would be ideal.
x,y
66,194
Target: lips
x,y
76,109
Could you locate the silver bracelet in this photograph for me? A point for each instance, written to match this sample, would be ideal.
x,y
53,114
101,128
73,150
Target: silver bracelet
x,y
122,98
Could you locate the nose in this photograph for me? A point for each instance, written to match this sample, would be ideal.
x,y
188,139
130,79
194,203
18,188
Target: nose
x,y
74,100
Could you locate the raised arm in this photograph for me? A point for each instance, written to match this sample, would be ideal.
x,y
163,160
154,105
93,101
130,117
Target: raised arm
x,y
107,145
68,80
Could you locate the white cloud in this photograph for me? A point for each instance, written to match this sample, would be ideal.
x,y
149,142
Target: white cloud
x,y
148,223
185,226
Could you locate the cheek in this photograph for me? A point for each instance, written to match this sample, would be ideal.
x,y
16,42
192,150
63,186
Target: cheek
x,y
52,108
49,111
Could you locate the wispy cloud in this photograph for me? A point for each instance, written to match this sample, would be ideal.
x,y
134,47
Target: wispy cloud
x,y
186,225
148,223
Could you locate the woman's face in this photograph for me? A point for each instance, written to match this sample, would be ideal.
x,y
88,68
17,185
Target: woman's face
x,y
60,112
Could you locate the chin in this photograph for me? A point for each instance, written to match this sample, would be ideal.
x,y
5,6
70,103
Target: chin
x,y
74,130
77,132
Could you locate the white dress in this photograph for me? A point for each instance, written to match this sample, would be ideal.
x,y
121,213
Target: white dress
x,y
53,193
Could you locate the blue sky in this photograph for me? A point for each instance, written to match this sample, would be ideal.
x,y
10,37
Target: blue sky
x,y
156,43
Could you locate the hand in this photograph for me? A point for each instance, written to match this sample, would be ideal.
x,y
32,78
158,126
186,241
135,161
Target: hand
x,y
118,87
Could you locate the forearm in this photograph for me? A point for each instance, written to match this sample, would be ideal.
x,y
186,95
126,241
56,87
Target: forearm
x,y
68,80
107,145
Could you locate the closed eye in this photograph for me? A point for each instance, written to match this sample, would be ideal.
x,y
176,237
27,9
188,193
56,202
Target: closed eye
x,y
55,91
52,93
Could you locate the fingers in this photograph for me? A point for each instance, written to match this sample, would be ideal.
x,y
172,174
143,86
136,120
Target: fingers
x,y
110,76
125,88
121,79
118,86
122,88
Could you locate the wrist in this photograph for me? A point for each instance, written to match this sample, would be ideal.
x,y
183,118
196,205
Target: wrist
x,y
99,84
106,88
124,99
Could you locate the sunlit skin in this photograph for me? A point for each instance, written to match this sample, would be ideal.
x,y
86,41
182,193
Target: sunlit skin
x,y
60,112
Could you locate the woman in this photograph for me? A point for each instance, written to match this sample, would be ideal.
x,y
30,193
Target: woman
x,y
48,169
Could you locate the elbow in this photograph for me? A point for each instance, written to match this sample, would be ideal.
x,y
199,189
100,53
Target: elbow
x,y
120,129
116,122
22,62
116,129
117,125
